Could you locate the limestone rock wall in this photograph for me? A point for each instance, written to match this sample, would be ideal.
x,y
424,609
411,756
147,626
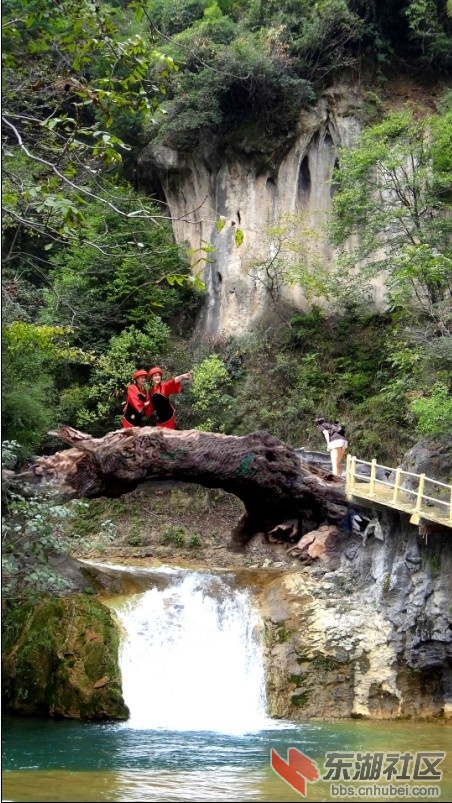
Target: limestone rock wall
x,y
370,639
228,198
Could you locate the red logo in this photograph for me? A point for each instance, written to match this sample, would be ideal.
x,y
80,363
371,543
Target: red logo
x,y
296,770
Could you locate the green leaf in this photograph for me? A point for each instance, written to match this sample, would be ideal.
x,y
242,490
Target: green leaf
x,y
239,237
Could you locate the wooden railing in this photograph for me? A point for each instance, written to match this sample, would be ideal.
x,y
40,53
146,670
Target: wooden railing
x,y
421,497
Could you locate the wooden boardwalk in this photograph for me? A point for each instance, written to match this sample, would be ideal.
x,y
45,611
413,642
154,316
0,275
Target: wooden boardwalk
x,y
422,498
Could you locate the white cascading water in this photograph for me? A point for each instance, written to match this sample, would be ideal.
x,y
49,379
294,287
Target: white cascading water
x,y
191,658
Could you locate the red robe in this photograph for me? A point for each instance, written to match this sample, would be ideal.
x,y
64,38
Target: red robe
x,y
134,407
161,405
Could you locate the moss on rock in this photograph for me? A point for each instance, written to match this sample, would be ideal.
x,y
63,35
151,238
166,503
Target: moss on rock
x,y
60,658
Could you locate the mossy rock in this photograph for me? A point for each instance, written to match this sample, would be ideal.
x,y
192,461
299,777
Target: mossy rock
x,y
60,659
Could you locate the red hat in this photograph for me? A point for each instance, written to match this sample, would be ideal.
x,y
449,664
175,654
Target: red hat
x,y
141,372
155,370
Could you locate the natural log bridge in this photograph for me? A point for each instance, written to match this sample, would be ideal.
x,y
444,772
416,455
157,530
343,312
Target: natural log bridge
x,y
274,484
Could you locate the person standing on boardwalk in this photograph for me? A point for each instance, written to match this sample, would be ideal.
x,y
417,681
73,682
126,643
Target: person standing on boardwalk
x,y
335,441
159,394
137,401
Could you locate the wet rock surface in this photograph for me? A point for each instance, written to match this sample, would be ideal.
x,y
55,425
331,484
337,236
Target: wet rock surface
x,y
60,659
355,620
355,623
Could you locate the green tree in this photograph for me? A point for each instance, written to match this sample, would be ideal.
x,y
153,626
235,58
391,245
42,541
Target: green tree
x,y
126,273
394,200
211,393
69,67
131,349
36,536
32,359
293,260
433,411
247,69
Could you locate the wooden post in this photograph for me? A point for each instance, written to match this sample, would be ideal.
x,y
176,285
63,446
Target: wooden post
x,y
347,474
398,476
352,474
373,475
420,493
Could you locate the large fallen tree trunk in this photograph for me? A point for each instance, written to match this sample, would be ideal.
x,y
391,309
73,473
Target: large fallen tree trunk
x,y
274,484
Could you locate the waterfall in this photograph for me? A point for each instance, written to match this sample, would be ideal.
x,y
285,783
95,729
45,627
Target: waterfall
x,y
191,658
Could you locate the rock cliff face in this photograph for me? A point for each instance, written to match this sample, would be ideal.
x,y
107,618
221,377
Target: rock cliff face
x,y
371,638
60,659
231,196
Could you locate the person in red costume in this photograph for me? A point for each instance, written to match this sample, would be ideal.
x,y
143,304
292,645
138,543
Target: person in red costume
x,y
137,402
159,394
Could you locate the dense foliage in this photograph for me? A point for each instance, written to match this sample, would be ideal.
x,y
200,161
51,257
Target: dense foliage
x,y
245,68
94,284
86,257
395,193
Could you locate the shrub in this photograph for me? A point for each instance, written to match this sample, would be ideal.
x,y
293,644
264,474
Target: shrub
x,y
434,412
